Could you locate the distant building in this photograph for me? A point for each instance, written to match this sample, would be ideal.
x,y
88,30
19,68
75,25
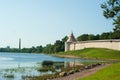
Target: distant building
x,y
72,44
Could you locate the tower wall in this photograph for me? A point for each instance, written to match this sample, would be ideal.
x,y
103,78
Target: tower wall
x,y
110,44
67,46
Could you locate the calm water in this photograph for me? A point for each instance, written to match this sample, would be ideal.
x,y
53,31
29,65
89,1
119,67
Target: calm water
x,y
24,64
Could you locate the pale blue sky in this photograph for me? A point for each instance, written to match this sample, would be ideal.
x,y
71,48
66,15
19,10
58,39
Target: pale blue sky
x,y
40,22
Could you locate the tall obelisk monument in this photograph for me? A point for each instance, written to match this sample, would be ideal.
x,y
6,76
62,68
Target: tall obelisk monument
x,y
19,43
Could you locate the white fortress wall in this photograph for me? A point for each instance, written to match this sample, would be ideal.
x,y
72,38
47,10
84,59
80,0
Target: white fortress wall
x,y
80,46
110,44
72,46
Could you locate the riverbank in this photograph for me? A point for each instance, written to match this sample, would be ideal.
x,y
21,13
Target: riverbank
x,y
65,56
97,73
92,53
82,74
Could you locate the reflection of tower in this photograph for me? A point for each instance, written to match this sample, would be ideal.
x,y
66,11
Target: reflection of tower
x,y
20,44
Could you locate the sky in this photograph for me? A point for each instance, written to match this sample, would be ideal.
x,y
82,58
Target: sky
x,y
41,22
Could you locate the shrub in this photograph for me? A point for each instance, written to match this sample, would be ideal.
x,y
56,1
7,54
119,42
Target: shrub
x,y
47,63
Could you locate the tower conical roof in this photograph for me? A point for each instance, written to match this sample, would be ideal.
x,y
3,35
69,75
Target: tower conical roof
x,y
71,38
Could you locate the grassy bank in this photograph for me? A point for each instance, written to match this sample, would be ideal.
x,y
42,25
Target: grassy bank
x,y
109,73
94,53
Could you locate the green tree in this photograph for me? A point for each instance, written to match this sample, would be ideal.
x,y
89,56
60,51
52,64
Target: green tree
x,y
97,37
106,35
48,48
26,50
63,43
83,37
90,37
111,9
58,46
39,49
64,39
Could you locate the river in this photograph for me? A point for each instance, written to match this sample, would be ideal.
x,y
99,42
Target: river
x,y
15,65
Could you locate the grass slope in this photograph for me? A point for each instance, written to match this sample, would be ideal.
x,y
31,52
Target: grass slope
x,y
94,53
109,73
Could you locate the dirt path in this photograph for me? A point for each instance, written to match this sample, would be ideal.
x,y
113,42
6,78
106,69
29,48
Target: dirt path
x,y
82,74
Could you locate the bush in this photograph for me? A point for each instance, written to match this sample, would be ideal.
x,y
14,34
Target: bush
x,y
47,63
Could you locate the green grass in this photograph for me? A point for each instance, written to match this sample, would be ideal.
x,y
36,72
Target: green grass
x,y
109,73
94,53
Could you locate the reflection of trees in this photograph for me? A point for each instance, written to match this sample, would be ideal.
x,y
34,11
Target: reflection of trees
x,y
51,66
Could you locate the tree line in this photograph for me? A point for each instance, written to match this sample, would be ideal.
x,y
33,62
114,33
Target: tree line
x,y
105,35
58,46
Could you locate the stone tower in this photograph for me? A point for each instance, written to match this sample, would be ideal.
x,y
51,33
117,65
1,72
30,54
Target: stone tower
x,y
70,40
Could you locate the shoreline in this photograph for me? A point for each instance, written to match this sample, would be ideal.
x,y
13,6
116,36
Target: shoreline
x,y
65,56
83,74
76,57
